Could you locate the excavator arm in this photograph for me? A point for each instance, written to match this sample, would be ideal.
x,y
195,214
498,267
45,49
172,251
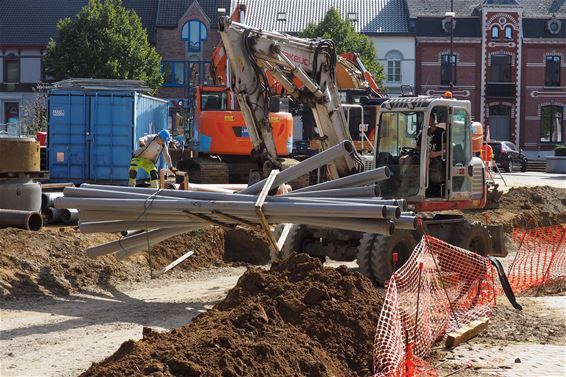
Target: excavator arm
x,y
305,68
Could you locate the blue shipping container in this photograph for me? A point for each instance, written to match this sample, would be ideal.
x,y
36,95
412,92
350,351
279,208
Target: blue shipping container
x,y
91,135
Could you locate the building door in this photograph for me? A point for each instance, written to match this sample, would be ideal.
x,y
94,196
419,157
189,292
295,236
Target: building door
x,y
499,122
11,112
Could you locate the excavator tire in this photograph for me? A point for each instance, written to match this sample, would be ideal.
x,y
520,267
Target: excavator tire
x,y
375,254
298,235
473,236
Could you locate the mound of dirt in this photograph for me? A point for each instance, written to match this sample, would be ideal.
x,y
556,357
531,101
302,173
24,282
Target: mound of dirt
x,y
246,245
298,319
526,207
53,262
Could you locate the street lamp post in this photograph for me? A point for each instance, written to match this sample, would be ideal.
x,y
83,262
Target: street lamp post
x,y
452,15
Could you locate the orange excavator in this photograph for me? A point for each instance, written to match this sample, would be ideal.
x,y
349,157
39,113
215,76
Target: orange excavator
x,y
220,142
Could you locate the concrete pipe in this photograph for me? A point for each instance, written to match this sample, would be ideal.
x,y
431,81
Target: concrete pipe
x,y
323,158
21,194
359,179
53,215
70,216
20,219
48,198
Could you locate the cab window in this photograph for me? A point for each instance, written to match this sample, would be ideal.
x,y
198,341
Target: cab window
x,y
212,101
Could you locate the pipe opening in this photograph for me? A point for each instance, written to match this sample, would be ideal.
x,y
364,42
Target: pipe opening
x,y
35,222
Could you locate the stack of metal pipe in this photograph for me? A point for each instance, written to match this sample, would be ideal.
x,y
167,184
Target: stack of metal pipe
x,y
67,216
350,203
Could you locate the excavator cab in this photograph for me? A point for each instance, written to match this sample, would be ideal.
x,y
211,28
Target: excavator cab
x,y
426,143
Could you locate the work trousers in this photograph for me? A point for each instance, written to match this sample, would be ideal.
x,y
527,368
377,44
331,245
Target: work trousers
x,y
146,165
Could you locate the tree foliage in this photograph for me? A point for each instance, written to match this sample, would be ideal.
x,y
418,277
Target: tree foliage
x,y
346,39
105,40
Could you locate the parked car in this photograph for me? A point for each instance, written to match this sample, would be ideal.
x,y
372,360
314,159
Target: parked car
x,y
508,156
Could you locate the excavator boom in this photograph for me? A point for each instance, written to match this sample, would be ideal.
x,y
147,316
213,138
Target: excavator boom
x,y
305,68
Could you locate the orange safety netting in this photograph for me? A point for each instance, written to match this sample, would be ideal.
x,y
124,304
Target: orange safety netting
x,y
540,258
439,289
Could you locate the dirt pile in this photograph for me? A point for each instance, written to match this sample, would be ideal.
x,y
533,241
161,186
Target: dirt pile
x,y
53,262
526,207
246,245
298,319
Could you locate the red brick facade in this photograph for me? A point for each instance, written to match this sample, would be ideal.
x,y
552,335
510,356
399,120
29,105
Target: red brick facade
x,y
173,48
502,72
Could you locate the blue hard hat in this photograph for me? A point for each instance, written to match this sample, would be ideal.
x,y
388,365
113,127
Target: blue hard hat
x,y
165,135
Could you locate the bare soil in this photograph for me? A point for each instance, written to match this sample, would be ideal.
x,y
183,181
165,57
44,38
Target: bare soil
x,y
299,318
526,207
53,262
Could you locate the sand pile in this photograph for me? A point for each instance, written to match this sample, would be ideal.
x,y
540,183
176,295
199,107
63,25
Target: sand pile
x,y
297,319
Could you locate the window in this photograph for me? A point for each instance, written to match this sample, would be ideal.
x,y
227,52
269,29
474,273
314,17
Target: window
x,y
11,68
393,66
11,112
508,32
194,33
552,76
352,16
551,124
495,32
447,69
213,101
500,70
173,73
281,16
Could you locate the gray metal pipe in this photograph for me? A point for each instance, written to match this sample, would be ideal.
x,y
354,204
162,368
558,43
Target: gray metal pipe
x,y
351,192
53,215
386,227
69,216
359,179
117,226
153,237
406,222
323,158
47,199
331,209
392,212
28,220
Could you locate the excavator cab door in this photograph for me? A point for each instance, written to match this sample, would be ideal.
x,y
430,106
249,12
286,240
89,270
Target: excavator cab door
x,y
459,164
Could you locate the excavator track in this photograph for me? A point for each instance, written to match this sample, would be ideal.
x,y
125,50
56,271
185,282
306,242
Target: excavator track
x,y
205,170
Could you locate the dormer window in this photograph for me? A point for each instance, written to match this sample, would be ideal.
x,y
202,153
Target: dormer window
x,y
352,16
281,16
495,32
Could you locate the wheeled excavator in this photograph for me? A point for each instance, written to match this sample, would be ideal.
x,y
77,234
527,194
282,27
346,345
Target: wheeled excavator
x,y
306,68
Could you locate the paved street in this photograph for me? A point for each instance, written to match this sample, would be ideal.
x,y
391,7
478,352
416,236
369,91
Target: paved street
x,y
532,178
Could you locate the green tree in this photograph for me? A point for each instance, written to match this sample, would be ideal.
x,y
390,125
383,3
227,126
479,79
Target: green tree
x,y
105,40
346,39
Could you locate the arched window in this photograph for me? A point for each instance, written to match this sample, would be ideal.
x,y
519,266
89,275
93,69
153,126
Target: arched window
x,y
394,59
551,124
495,32
508,32
194,33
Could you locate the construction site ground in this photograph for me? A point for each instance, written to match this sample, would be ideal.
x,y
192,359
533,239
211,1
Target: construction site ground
x,y
61,312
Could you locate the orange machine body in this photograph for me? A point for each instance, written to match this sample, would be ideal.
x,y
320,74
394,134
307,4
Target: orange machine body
x,y
223,132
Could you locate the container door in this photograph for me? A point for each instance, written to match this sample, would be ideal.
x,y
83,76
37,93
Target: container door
x,y
67,137
111,126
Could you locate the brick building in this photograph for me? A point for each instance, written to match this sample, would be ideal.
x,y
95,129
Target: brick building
x,y
508,60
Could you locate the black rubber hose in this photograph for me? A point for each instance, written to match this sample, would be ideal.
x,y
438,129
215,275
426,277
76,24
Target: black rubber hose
x,y
505,283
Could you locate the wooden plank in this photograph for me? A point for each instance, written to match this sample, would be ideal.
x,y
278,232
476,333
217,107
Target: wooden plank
x,y
466,333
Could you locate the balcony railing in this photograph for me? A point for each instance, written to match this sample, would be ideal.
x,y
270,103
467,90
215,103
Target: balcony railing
x,y
501,89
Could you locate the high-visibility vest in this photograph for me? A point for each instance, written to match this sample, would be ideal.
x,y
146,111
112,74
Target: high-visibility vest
x,y
486,153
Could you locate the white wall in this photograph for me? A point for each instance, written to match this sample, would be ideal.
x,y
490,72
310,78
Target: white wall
x,y
406,46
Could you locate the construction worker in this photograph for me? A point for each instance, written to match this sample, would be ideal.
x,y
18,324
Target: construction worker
x,y
146,156
486,154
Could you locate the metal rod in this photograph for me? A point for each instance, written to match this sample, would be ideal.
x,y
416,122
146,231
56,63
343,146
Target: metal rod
x,y
359,179
117,226
28,220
